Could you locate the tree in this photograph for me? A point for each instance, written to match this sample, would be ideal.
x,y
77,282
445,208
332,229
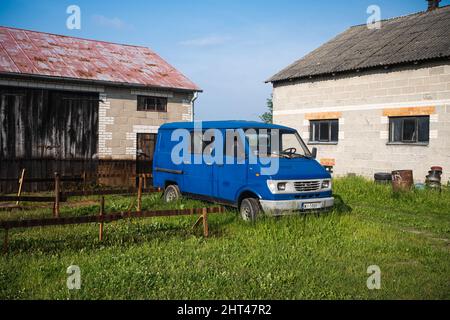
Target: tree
x,y
267,116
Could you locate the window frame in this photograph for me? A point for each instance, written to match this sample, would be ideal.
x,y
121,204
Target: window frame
x,y
391,136
329,140
144,107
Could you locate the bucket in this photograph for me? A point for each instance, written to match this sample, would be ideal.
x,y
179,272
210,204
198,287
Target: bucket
x,y
402,180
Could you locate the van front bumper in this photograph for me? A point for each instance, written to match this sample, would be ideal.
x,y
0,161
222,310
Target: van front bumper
x,y
278,206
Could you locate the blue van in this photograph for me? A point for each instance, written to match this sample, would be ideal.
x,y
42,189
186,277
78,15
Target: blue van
x,y
298,183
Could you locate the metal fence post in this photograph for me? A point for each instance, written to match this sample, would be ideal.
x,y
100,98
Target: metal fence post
x,y
139,204
205,222
102,211
57,195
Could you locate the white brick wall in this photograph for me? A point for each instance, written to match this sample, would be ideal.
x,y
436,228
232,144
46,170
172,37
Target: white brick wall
x,y
103,121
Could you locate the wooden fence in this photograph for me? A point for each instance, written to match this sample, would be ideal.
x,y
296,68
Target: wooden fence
x,y
61,196
107,172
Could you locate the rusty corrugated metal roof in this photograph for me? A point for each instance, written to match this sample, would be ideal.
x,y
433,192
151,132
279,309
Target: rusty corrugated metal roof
x,y
417,37
37,53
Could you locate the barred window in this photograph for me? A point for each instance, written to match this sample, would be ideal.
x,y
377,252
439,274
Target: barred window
x,y
157,104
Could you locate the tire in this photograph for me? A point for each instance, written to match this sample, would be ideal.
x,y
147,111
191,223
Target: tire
x,y
249,209
383,176
172,193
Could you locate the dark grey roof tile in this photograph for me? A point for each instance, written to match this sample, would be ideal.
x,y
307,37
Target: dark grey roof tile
x,y
417,37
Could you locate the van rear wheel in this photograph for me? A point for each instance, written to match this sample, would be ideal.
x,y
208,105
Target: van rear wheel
x,y
249,209
172,193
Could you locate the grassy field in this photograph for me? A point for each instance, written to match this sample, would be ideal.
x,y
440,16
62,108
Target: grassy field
x,y
311,256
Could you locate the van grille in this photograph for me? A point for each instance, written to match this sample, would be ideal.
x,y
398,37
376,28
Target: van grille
x,y
307,186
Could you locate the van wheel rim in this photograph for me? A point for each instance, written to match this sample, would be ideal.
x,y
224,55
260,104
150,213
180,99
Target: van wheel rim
x,y
246,212
171,195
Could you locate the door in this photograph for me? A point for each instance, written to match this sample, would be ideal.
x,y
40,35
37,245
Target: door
x,y
231,176
198,175
144,153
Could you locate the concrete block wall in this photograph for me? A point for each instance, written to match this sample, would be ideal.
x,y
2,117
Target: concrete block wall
x,y
120,121
360,99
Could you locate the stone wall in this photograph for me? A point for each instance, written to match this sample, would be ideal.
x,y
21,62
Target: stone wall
x,y
362,102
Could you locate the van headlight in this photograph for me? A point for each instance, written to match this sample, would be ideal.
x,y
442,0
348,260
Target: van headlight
x,y
277,186
326,184
281,186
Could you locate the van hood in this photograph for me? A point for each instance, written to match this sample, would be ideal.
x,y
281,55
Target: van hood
x,y
300,168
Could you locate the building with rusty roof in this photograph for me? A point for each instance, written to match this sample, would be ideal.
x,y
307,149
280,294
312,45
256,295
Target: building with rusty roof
x,y
75,105
374,99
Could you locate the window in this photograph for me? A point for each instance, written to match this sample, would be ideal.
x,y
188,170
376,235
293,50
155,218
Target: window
x,y
157,104
261,142
197,144
201,143
409,129
325,131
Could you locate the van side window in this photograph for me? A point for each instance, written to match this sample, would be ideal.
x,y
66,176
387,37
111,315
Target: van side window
x,y
201,144
235,148
197,143
208,148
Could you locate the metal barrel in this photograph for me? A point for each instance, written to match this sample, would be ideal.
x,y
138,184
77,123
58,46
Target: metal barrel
x,y
402,180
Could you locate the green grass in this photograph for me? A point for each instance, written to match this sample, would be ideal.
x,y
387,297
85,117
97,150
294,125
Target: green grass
x,y
310,256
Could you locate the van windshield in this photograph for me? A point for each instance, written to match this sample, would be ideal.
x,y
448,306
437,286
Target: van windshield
x,y
276,143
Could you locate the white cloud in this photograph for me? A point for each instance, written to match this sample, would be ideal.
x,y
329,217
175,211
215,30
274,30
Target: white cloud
x,y
206,41
114,23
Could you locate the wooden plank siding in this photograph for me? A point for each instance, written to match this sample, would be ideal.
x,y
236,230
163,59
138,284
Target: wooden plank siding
x,y
45,131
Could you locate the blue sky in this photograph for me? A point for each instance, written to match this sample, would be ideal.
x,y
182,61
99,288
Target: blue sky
x,y
228,47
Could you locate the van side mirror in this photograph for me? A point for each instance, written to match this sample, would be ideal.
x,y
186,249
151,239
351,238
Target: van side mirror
x,y
314,153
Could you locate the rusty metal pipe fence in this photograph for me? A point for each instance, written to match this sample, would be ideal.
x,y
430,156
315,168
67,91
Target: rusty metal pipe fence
x,y
102,218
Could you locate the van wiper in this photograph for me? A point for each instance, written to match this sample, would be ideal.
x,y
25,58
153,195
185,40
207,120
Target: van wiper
x,y
297,155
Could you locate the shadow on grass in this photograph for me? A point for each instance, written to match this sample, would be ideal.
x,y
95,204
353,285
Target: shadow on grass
x,y
340,206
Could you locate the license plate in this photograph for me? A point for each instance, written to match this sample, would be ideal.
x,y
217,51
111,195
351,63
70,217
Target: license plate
x,y
312,205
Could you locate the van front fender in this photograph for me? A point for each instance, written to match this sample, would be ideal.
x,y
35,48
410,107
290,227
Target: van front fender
x,y
247,192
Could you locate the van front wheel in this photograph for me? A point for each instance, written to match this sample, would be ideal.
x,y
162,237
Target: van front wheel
x,y
249,209
172,193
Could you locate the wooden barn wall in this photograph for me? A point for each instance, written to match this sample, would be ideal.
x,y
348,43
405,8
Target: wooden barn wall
x,y
45,131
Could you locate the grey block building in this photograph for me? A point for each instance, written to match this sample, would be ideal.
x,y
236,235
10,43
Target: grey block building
x,y
374,100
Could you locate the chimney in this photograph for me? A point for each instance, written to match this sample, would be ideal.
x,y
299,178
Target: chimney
x,y
433,4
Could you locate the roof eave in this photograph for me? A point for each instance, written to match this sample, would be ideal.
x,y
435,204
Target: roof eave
x,y
350,71
96,82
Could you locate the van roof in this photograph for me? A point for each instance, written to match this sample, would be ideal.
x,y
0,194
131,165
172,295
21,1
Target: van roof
x,y
227,124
